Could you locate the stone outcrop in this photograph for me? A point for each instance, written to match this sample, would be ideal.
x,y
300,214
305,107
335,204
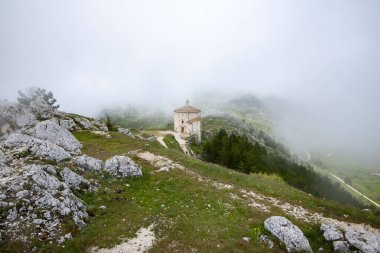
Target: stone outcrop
x,y
363,241
43,149
122,166
67,123
346,239
100,125
331,233
75,181
289,234
17,115
88,124
3,159
50,131
89,163
37,199
126,131
34,196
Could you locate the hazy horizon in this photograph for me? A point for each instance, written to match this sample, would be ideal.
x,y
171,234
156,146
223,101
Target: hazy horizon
x,y
321,57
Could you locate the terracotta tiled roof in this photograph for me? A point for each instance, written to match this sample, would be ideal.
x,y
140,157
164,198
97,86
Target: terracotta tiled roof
x,y
187,108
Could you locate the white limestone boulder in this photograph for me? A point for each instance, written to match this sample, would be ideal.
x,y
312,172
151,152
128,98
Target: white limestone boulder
x,y
75,181
3,159
50,131
289,234
353,238
331,232
39,148
42,178
84,123
126,131
363,240
341,247
122,166
100,125
42,199
17,115
89,163
66,123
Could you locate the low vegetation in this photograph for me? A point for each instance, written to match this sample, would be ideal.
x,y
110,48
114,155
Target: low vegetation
x,y
189,215
237,152
171,142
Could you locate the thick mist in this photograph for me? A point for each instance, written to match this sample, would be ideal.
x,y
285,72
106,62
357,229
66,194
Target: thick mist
x,y
320,58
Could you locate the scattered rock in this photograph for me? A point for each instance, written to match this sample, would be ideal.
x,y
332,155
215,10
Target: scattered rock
x,y
331,232
126,131
341,247
68,123
245,241
288,233
22,194
74,181
354,237
51,170
3,159
364,241
122,166
265,239
84,123
12,214
64,238
38,221
89,163
42,178
100,125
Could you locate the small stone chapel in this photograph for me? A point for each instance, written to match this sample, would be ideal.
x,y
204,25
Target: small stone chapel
x,y
187,120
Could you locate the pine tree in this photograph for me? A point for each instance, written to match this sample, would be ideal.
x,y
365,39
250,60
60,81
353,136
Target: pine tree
x,y
34,93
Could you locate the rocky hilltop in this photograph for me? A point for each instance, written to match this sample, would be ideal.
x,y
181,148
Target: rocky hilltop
x,y
41,163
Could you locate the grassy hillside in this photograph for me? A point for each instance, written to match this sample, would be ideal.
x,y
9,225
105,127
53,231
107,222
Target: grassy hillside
x,y
190,213
365,176
249,116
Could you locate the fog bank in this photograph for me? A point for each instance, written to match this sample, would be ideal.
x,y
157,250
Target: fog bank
x,y
322,57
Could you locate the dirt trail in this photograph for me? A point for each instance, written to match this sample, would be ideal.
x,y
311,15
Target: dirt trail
x,y
141,243
160,139
182,143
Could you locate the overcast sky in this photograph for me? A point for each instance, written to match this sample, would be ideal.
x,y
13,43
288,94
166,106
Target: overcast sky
x,y
321,55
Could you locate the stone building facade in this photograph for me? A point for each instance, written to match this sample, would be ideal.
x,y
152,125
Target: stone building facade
x,y
187,120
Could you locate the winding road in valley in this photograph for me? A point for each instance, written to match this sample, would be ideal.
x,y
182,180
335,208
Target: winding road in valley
x,y
352,188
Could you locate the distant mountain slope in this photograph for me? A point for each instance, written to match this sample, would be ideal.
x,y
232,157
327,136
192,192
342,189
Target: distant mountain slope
x,y
134,118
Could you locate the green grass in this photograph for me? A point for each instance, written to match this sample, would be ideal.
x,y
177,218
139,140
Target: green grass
x,y
171,142
360,172
189,214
